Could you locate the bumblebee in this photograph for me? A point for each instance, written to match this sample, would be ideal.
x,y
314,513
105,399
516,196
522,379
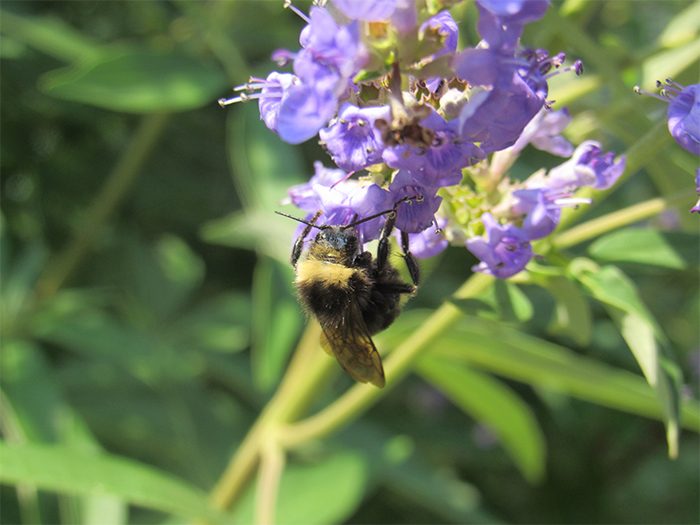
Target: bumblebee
x,y
352,295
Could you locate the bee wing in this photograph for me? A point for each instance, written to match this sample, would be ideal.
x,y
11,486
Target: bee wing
x,y
353,347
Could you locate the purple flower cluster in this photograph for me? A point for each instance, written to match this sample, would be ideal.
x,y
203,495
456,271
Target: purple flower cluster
x,y
387,91
683,117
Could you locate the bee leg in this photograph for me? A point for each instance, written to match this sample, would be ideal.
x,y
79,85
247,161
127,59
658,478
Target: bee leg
x,y
383,248
411,261
299,243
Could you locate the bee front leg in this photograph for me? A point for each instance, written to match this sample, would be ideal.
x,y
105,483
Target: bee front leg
x,y
383,248
411,261
299,243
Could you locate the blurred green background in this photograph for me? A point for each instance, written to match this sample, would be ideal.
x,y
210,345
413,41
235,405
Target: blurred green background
x,y
147,305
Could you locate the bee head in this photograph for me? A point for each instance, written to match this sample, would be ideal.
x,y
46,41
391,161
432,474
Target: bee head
x,y
337,239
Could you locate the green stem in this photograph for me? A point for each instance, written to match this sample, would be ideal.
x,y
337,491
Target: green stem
x,y
271,468
359,398
115,188
304,377
596,227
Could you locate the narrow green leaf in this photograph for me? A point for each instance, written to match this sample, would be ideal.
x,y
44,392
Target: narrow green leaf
x,y
512,354
669,63
641,332
325,492
96,335
69,471
611,286
502,301
572,311
643,246
682,28
138,81
494,404
48,35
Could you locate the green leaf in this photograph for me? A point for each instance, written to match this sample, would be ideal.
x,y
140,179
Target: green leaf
x,y
682,28
30,389
137,81
494,404
277,320
512,354
669,63
69,471
503,300
221,324
325,492
641,245
49,35
641,332
610,285
572,314
95,335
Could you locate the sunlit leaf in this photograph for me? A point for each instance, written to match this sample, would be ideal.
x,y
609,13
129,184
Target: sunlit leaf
x,y
642,333
512,354
645,246
69,471
138,81
572,311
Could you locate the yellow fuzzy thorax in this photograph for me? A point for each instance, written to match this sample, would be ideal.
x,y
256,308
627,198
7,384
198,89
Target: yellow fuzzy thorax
x,y
327,272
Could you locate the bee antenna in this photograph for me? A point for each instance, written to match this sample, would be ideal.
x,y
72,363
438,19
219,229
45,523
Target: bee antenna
x,y
365,219
418,198
312,224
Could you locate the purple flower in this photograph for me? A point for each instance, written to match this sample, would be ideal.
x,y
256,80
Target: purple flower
x,y
366,10
405,18
303,195
340,206
683,112
495,33
352,140
444,25
504,252
413,216
541,210
515,11
429,242
306,109
588,166
515,91
684,118
543,132
696,208
336,47
441,164
329,57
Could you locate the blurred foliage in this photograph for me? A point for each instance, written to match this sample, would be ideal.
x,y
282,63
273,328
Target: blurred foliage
x,y
148,314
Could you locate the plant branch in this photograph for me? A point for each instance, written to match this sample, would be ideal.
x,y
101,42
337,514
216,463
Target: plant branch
x,y
596,227
271,467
